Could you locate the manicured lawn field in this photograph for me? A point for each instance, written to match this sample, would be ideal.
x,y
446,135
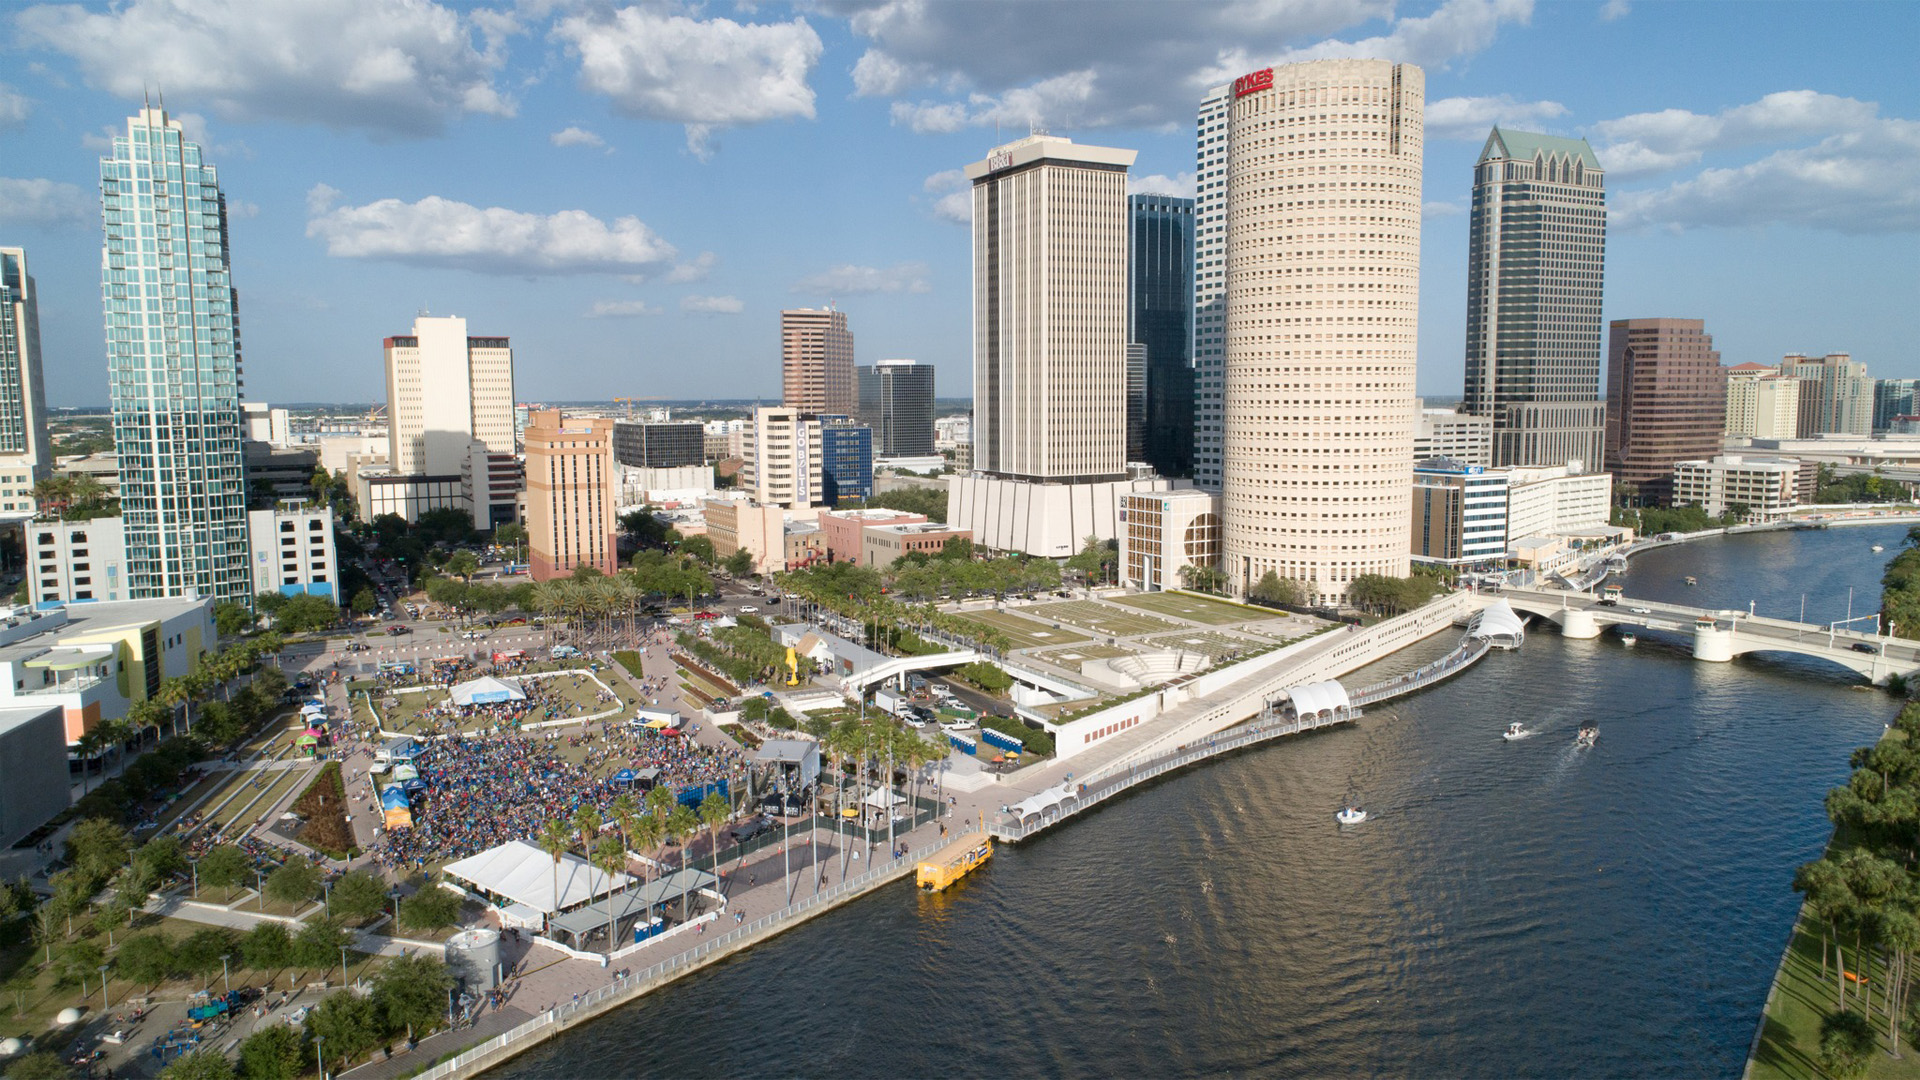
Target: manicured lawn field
x,y
1206,641
1024,633
1790,1044
1105,619
1198,609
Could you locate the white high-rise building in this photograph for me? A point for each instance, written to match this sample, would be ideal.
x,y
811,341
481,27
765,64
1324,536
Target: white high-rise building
x,y
444,391
1050,311
784,458
23,397
1210,284
1323,261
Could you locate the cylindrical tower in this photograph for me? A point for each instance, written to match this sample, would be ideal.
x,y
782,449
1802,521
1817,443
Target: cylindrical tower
x,y
1323,300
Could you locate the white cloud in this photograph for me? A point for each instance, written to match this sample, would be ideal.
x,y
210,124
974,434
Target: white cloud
x,y
1456,28
706,74
621,309
1657,141
45,202
711,305
852,280
394,67
1858,182
694,269
1435,208
241,208
442,232
1614,9
1180,187
1475,117
952,196
14,108
576,136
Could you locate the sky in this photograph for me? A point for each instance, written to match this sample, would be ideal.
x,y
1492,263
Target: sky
x,y
633,192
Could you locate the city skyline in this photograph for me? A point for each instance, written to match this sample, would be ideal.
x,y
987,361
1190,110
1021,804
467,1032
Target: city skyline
x,y
643,244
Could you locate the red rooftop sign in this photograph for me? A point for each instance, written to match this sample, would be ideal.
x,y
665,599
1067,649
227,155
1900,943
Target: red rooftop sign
x,y
1247,84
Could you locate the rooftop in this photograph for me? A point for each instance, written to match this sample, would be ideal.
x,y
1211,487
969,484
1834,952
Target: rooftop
x,y
1525,145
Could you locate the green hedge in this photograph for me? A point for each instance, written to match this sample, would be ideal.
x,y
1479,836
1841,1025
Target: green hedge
x,y
1036,740
986,676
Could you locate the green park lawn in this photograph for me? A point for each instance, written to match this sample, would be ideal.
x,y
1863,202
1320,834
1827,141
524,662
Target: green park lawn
x,y
1198,609
1023,633
1790,1043
1104,619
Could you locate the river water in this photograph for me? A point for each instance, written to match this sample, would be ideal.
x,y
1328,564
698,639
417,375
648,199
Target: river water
x,y
1520,908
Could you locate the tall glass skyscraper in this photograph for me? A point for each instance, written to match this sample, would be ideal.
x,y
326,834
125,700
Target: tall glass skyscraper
x,y
1535,260
24,456
173,361
1160,317
1212,140
896,401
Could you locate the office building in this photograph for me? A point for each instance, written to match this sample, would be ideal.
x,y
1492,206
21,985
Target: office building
x,y
572,495
1666,401
173,365
1050,227
1446,433
36,786
266,424
896,401
783,458
1136,402
76,561
846,460
1893,398
1836,394
1160,320
1761,403
1459,513
1212,138
881,545
816,362
24,451
1169,539
778,539
1536,255
293,550
1318,440
94,660
1557,501
841,529
451,421
659,445
1755,489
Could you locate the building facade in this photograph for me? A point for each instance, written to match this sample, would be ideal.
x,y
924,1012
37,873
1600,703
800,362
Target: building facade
x,y
173,365
816,362
1136,403
293,550
572,495
846,460
1213,136
1050,311
1894,398
1666,401
1553,500
76,561
1536,256
1444,433
1836,394
448,391
24,452
840,529
1318,446
1160,320
659,446
1165,537
1761,403
896,401
1459,513
1758,489
880,545
784,458
94,660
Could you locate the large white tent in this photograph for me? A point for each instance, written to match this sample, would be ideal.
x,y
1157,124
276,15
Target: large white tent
x,y
486,690
522,873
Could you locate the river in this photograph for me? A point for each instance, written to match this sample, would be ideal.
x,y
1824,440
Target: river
x,y
1520,908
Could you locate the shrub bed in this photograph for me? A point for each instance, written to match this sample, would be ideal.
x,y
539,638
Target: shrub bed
x,y
324,806
1037,741
986,676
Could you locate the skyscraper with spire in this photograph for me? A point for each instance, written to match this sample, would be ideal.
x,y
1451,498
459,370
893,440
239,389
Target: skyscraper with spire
x,y
173,364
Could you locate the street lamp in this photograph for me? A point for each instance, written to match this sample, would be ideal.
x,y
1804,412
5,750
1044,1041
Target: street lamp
x,y
103,987
319,1059
343,965
326,895
225,983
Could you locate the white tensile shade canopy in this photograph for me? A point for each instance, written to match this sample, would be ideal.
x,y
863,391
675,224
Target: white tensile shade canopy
x,y
522,873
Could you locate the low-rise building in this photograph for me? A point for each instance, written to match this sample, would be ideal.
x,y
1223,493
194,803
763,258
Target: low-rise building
x,y
293,550
1757,489
880,545
1459,513
94,660
1445,433
34,786
761,531
75,561
1557,501
841,529
1163,533
803,544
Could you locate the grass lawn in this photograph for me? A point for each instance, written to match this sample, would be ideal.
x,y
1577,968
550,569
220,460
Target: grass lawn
x,y
1790,1045
1073,656
1023,633
1198,609
1101,618
250,792
1206,641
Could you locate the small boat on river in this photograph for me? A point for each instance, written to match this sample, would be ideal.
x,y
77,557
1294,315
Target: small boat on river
x,y
1693,581
1589,734
1352,815
1515,731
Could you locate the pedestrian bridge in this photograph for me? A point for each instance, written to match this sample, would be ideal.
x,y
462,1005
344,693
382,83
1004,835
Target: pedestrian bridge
x,y
1720,635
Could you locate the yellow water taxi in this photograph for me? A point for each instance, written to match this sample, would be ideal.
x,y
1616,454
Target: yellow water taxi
x,y
954,862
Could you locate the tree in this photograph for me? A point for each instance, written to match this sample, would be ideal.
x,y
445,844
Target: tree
x,y
714,811
39,1065
267,947
463,564
1095,560
740,563
294,883
306,612
554,840
223,867
97,848
681,824
513,537
431,908
78,960
145,959
1275,591
347,1024
317,946
957,548
199,952
411,992
1846,1045
364,602
700,547
274,1052
199,1065
610,858
230,619
269,603
930,501
358,896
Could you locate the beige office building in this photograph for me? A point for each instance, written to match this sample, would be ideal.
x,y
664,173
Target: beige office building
x,y
816,362
783,455
1761,403
573,495
1836,394
444,391
1323,301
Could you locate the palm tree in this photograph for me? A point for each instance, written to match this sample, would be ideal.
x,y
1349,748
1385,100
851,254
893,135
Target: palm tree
x,y
586,821
649,834
714,811
681,824
554,840
610,855
625,809
174,693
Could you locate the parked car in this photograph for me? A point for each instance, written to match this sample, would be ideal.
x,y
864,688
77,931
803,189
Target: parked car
x,y
957,724
749,610
743,833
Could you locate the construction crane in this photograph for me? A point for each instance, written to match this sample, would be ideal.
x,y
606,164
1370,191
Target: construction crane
x,y
628,402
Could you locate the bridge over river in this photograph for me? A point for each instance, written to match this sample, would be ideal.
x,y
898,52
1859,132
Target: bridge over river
x,y
1720,635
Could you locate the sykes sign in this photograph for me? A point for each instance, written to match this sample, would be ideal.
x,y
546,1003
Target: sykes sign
x,y
1247,84
996,162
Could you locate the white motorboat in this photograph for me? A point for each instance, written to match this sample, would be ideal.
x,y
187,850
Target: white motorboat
x,y
1351,815
1515,731
1588,735
1879,547
1628,639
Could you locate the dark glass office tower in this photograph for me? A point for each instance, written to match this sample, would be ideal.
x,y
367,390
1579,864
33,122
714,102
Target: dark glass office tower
x,y
1160,317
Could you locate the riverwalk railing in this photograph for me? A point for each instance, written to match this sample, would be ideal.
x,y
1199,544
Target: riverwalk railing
x,y
564,1014
1470,650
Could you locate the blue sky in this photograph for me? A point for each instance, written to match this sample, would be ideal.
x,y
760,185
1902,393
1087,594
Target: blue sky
x,y
633,192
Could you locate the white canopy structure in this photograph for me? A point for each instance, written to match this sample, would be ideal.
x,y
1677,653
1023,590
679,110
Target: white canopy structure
x,y
1499,625
880,797
1044,803
486,690
521,873
1320,701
